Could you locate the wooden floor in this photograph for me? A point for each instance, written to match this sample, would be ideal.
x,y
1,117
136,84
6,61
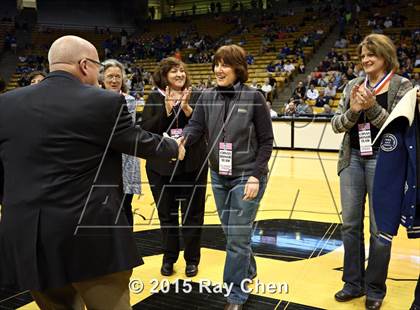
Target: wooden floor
x,y
302,186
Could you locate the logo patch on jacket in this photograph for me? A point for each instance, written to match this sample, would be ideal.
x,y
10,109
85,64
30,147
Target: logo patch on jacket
x,y
389,142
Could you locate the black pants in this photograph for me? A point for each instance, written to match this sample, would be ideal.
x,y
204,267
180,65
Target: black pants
x,y
127,208
190,193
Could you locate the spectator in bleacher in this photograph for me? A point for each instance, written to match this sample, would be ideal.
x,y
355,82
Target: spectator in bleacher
x,y
271,67
416,79
327,110
311,79
330,91
312,93
273,113
322,100
267,88
417,61
378,29
356,37
371,21
343,84
388,22
250,59
341,43
301,68
300,91
24,80
336,79
167,110
363,109
350,74
36,76
332,54
254,84
284,52
240,180
112,77
297,107
289,67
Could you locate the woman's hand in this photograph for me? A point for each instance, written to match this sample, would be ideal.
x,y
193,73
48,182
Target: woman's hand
x,y
185,102
367,97
251,188
356,99
170,100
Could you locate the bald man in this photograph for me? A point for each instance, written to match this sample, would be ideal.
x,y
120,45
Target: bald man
x,y
62,234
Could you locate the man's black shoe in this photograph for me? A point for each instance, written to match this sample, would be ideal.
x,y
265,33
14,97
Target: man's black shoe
x,y
191,270
342,296
167,269
373,304
414,307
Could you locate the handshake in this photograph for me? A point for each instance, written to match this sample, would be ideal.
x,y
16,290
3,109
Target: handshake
x,y
181,146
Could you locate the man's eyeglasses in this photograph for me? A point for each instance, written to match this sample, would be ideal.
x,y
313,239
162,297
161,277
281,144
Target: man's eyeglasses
x,y
100,65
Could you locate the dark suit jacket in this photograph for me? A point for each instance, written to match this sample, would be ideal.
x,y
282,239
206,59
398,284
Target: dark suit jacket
x,y
1,182
61,144
155,119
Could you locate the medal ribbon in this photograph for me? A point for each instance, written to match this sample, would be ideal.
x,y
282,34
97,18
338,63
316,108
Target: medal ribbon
x,y
377,88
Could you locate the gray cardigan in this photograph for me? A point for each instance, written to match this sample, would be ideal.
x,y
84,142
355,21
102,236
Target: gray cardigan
x,y
344,119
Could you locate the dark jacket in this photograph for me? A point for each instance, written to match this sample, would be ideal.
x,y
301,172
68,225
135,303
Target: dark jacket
x,y
1,182
155,119
396,197
247,126
61,144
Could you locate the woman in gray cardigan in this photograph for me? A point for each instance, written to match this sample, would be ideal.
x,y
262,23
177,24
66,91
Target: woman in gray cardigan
x,y
363,109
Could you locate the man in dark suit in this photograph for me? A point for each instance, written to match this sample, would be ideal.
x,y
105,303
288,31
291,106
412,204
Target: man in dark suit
x,y
62,233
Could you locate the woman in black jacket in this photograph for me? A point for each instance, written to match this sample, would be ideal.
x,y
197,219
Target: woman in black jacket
x,y
167,110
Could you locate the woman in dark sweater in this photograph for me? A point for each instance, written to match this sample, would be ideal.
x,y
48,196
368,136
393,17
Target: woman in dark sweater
x,y
167,110
236,121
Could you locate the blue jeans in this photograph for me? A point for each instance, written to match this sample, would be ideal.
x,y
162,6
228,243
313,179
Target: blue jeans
x,y
355,182
237,217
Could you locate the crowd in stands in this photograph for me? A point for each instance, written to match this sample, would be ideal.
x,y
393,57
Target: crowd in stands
x,y
318,90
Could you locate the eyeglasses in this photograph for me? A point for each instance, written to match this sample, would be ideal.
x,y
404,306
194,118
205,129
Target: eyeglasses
x,y
112,77
99,64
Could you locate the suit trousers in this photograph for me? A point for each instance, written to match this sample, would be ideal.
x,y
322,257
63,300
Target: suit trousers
x,y
189,192
128,209
109,292
416,302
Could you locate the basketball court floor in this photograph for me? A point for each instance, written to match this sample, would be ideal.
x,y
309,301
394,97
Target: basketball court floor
x,y
296,240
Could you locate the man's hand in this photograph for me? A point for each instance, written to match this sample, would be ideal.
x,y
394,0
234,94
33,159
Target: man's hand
x,y
251,188
181,148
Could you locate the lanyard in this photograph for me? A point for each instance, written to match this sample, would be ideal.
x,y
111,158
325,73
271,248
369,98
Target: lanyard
x,y
176,108
377,88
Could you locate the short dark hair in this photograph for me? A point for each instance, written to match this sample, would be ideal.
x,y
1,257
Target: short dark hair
x,y
234,56
160,74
